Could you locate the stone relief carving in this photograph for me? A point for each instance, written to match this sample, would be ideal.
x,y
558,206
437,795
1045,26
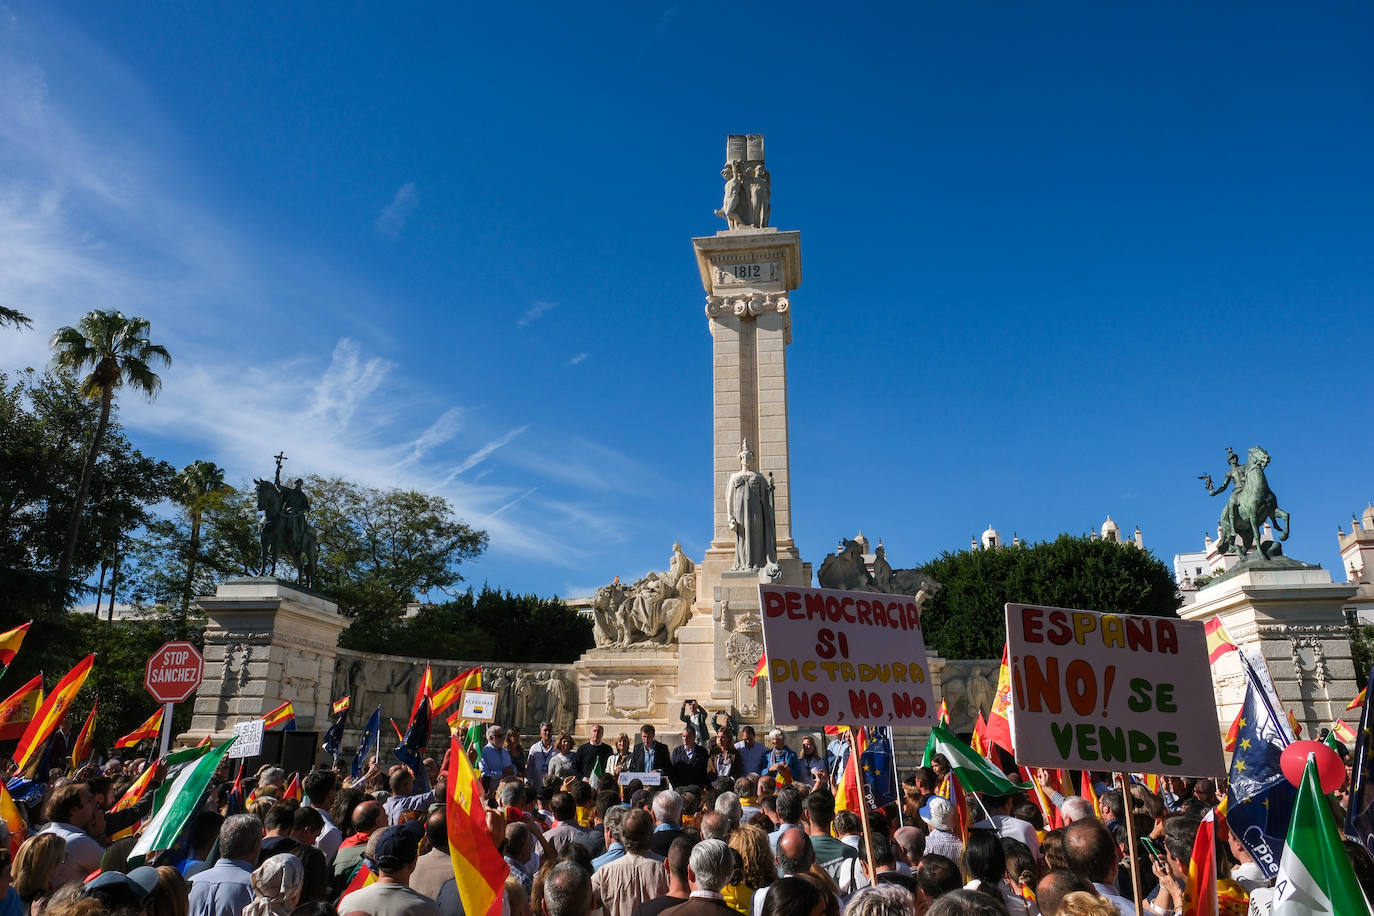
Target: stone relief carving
x,y
630,698
968,686
649,612
748,186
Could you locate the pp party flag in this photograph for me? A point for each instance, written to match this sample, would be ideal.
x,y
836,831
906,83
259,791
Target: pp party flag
x,y
10,641
448,694
81,747
478,869
1359,818
333,738
997,730
760,670
372,731
1260,798
151,728
340,706
50,714
19,709
1315,875
1200,893
183,800
1219,641
9,813
1359,699
283,713
975,772
293,789
880,777
426,691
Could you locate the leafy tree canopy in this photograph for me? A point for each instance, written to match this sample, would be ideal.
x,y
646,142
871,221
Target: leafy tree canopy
x,y
966,617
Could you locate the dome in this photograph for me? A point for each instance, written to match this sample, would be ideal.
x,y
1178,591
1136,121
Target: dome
x,y
1110,530
1368,517
991,538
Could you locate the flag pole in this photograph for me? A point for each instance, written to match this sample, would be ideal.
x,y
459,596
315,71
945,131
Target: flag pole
x,y
896,780
863,806
1128,804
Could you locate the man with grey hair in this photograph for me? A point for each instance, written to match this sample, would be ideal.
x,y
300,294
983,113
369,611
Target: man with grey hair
x,y
495,761
1076,808
225,888
537,760
727,803
708,870
610,825
715,826
882,900
667,821
567,891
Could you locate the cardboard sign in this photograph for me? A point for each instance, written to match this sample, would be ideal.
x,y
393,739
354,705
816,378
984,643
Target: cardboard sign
x,y
845,658
247,739
652,778
477,705
1118,692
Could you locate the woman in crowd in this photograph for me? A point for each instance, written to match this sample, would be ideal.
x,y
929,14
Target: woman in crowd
x,y
171,897
808,760
985,864
35,866
620,760
757,867
276,886
724,758
561,764
516,748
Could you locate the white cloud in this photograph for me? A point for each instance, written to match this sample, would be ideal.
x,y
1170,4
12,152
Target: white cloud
x,y
576,359
393,217
535,312
483,453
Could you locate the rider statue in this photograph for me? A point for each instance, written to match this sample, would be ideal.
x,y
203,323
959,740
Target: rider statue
x,y
1249,507
286,526
1235,474
295,507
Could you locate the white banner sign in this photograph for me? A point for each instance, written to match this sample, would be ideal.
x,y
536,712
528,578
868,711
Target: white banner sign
x,y
653,778
845,658
478,705
1118,692
247,739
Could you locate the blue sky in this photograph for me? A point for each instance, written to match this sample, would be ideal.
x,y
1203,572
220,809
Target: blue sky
x,y
1057,257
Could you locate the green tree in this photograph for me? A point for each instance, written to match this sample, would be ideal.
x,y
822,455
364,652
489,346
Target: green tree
x,y
14,317
965,619
380,548
117,352
200,486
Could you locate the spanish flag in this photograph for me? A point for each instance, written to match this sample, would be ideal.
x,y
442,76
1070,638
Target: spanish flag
x,y
761,670
1229,744
1090,793
151,728
10,640
293,789
1343,731
9,813
1219,642
448,694
1358,701
283,713
1294,724
362,877
478,869
426,690
997,729
50,713
340,706
848,790
132,796
81,747
942,714
18,711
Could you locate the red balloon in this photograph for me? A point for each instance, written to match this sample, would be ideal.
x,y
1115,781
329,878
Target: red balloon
x,y
1330,769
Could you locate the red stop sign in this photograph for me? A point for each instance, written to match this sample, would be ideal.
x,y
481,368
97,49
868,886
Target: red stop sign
x,y
174,672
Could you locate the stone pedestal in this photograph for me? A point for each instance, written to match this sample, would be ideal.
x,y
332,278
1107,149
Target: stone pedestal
x,y
623,689
1294,618
266,642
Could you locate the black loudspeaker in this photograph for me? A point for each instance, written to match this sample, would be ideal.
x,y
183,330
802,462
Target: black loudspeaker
x,y
299,751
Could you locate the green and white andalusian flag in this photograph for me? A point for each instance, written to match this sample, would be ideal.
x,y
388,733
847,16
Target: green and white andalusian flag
x,y
976,773
182,801
1315,874
598,770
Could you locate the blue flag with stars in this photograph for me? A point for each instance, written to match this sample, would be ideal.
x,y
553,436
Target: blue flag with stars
x,y
1260,799
1359,819
371,732
880,786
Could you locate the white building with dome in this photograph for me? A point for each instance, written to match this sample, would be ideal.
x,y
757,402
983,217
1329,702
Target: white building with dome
x,y
1110,531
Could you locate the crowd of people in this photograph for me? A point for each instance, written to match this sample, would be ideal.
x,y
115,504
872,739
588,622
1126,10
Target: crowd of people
x,y
720,824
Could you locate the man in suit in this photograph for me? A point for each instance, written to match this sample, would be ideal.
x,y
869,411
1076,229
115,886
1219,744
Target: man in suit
x,y
649,755
708,870
688,761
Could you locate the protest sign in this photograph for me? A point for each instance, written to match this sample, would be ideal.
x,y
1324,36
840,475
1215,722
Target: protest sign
x,y
653,778
1118,692
851,658
247,739
478,705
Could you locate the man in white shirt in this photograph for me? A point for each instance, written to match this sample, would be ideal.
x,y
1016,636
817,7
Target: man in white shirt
x,y
71,810
1092,854
537,760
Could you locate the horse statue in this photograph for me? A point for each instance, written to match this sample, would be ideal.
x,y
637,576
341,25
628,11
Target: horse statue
x,y
1256,504
845,569
276,536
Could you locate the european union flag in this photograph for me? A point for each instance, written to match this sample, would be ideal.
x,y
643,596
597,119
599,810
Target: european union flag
x,y
1261,798
333,739
880,786
1359,819
371,732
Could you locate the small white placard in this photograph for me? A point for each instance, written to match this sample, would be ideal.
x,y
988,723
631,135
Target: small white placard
x,y
478,705
652,778
247,739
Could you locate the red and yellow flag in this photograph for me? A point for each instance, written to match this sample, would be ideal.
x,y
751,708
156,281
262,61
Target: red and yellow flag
x,y
1343,731
81,747
50,714
10,640
1219,641
783,777
132,796
448,694
151,728
1229,744
1359,699
959,801
283,713
1294,724
849,791
998,728
363,877
19,709
1200,895
978,742
293,789
478,869
339,706
942,714
761,670
426,690
9,813
1090,793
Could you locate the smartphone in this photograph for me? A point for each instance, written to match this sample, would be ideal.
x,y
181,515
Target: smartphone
x,y
1152,850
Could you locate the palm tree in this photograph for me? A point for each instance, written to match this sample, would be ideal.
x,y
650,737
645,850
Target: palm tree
x,y
117,352
14,317
199,486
